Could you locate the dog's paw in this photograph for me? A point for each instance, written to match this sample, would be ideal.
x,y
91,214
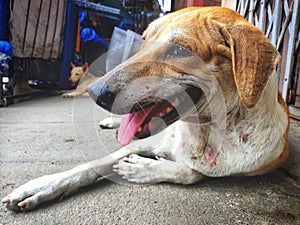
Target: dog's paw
x,y
110,123
139,169
34,192
66,95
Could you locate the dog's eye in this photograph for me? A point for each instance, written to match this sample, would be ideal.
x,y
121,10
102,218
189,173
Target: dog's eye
x,y
178,51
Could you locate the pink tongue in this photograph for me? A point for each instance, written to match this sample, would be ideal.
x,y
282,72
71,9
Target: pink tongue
x,y
130,123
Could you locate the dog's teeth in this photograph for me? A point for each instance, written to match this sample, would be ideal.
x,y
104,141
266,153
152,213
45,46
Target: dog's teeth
x,y
140,129
176,102
169,109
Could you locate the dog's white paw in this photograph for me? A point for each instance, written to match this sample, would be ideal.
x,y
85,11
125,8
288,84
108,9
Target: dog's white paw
x,y
36,191
110,123
66,95
139,169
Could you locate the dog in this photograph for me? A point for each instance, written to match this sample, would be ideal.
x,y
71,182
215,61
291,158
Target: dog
x,y
79,76
204,82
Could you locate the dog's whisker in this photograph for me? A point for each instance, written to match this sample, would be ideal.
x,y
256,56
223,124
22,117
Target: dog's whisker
x,y
141,106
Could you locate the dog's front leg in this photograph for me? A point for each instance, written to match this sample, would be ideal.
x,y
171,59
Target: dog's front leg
x,y
74,94
48,187
110,123
69,95
143,170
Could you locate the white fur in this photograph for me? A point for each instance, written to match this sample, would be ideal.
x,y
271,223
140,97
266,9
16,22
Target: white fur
x,y
110,123
265,126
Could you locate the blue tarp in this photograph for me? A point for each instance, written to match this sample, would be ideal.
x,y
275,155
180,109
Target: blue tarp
x,y
88,34
4,19
5,47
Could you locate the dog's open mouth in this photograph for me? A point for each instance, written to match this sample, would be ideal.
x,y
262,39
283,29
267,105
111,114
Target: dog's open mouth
x,y
149,119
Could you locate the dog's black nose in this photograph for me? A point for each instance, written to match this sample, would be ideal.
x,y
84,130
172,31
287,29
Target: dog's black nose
x,y
102,96
106,98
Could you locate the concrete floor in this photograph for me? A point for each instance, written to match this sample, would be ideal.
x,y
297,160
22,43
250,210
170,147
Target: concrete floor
x,y
51,134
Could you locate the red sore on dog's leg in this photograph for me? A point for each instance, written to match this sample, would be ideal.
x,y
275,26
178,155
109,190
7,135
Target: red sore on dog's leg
x,y
211,154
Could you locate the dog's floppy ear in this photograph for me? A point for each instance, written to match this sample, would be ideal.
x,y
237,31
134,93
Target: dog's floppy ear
x,y
254,59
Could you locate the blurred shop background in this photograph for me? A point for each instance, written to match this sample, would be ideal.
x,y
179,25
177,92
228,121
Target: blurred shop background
x,y
40,39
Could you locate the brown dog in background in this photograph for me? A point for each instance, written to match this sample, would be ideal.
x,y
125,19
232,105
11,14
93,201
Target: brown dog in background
x,y
78,74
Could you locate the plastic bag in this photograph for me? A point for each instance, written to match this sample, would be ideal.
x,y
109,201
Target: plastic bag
x,y
123,45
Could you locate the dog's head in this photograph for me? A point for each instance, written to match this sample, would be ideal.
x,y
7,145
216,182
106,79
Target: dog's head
x,y
175,69
77,73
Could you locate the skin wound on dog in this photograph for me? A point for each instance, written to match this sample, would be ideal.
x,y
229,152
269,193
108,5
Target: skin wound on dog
x,y
211,153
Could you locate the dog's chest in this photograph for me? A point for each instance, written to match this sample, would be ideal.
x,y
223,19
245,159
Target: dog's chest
x,y
243,148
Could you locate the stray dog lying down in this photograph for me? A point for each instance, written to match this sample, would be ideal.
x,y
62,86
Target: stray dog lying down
x,y
225,118
79,74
